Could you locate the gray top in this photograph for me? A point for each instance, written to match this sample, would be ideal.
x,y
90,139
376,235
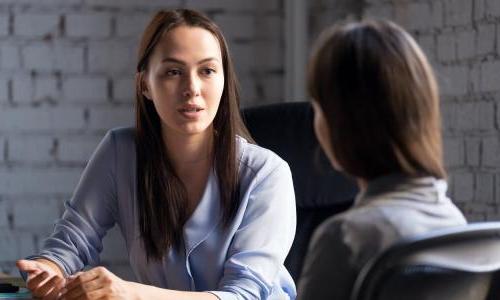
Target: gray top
x,y
391,208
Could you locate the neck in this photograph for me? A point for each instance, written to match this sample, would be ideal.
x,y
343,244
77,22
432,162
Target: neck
x,y
189,151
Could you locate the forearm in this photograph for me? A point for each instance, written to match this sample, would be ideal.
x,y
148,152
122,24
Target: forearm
x,y
143,291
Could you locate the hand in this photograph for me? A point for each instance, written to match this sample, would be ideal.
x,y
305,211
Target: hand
x,y
98,283
44,280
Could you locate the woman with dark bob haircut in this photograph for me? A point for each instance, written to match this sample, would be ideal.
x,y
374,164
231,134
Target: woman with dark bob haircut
x,y
205,213
377,118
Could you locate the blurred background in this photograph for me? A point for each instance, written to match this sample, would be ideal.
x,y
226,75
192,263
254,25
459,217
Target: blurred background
x,y
66,77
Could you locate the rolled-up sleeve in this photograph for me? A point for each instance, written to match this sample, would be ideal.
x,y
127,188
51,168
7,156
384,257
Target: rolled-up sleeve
x,y
77,237
262,241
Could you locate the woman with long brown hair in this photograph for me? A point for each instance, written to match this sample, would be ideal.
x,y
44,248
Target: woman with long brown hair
x,y
205,213
377,117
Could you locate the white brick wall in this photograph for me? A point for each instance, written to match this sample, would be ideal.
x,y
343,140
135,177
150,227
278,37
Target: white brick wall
x,y
36,25
89,25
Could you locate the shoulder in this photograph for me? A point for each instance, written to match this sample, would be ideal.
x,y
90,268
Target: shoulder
x,y
122,135
258,161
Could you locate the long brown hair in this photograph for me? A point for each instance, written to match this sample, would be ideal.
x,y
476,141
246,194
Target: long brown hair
x,y
380,99
161,196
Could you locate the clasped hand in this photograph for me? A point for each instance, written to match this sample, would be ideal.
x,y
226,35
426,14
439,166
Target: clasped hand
x,y
97,283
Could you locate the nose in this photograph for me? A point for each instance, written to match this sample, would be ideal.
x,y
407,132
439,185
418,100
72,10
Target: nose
x,y
192,87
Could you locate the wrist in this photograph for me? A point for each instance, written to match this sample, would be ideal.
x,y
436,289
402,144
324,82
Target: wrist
x,y
52,265
132,290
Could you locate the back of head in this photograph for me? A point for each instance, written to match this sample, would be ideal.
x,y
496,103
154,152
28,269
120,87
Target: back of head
x,y
380,100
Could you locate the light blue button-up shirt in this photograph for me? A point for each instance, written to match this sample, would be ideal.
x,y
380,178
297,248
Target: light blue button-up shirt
x,y
241,261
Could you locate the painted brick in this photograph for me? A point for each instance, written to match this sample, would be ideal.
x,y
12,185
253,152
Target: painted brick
x,y
479,9
131,26
3,143
274,89
233,5
489,76
4,25
236,26
124,89
26,243
10,58
491,148
76,149
485,184
453,152
485,39
46,88
36,25
492,8
458,12
411,16
65,58
100,118
463,186
379,11
22,89
31,149
121,4
4,90
465,44
4,211
437,13
453,80
472,151
47,212
446,47
497,188
243,56
9,248
85,88
111,57
449,115
475,78
269,55
38,182
59,119
247,89
94,25
428,45
476,116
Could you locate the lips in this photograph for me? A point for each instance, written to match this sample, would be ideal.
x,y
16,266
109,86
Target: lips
x,y
190,108
190,111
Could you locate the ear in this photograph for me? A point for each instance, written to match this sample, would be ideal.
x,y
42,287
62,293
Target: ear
x,y
143,85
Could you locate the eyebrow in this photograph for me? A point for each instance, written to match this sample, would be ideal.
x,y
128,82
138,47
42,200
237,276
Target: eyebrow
x,y
174,60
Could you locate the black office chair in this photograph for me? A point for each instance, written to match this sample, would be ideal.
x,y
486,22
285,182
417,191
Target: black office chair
x,y
459,263
320,191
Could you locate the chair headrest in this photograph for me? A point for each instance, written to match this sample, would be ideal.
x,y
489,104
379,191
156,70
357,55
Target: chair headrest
x,y
287,129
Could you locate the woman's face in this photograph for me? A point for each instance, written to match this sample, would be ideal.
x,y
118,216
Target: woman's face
x,y
185,80
323,134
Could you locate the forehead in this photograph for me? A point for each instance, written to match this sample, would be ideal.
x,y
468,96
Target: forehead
x,y
188,42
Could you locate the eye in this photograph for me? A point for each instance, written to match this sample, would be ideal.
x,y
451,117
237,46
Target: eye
x,y
208,71
173,72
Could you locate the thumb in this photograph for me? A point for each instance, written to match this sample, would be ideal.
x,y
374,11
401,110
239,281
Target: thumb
x,y
28,265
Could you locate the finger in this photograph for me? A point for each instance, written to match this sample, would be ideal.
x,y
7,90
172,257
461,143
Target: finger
x,y
83,290
27,265
56,291
33,283
82,277
48,286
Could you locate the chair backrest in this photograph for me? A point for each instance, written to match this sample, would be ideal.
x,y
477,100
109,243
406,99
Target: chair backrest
x,y
320,191
456,263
